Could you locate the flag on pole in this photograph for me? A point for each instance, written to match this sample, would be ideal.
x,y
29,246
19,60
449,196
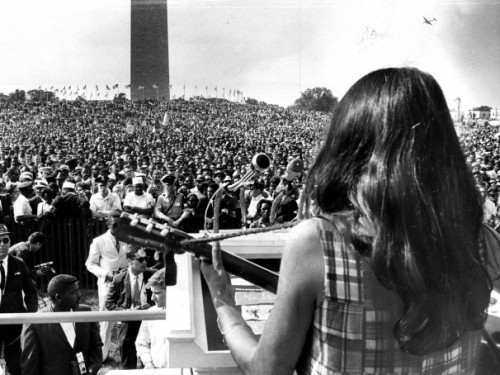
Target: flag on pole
x,y
141,87
96,88
155,86
52,87
115,86
127,86
107,87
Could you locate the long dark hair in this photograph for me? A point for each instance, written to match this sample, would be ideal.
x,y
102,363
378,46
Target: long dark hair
x,y
392,157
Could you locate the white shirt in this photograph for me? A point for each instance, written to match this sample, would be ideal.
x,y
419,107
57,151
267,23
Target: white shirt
x,y
142,290
22,207
151,343
5,266
144,201
69,331
104,258
105,205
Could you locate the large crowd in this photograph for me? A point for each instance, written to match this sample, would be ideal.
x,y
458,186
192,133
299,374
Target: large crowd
x,y
92,160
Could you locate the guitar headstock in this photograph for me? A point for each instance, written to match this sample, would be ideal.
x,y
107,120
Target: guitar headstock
x,y
136,230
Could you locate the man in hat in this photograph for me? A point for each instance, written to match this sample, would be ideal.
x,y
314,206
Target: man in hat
x,y
17,295
170,205
22,208
104,201
139,202
106,257
70,205
61,348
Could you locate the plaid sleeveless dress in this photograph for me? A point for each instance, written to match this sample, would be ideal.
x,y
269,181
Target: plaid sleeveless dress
x,y
352,327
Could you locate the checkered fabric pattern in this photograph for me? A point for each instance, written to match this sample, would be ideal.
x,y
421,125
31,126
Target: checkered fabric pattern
x,y
352,328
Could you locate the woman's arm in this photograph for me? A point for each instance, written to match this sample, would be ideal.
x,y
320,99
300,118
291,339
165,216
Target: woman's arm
x,y
300,290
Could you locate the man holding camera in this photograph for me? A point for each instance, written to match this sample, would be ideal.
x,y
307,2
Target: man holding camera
x,y
128,292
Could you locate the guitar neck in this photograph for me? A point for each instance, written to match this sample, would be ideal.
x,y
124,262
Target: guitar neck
x,y
145,233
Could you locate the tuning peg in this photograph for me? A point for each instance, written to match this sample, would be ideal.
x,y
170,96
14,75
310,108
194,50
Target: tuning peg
x,y
149,227
165,231
134,221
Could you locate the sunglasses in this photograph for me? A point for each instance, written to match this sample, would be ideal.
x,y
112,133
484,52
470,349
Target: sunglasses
x,y
5,240
141,259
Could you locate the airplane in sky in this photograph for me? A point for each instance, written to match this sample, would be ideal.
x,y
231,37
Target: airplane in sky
x,y
429,22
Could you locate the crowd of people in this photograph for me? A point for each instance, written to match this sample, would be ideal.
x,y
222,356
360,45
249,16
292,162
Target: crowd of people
x,y
93,160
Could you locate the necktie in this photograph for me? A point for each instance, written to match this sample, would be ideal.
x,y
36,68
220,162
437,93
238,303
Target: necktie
x,y
135,294
118,246
2,276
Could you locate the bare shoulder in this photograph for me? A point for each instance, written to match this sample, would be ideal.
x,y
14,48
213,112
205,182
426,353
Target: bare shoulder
x,y
302,266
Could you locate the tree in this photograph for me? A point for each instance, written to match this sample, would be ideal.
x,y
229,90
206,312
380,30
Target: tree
x,y
38,95
252,101
482,108
17,96
121,97
317,99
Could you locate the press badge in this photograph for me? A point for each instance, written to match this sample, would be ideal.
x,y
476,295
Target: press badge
x,y
81,363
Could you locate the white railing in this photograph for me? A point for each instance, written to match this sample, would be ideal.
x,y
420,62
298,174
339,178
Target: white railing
x,y
81,316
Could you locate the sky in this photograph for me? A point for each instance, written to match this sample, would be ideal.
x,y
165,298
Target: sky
x,y
272,50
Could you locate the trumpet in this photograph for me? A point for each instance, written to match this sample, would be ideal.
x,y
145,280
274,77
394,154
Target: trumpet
x,y
260,163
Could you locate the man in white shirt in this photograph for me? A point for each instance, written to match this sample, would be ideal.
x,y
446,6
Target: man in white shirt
x,y
104,201
151,342
22,208
139,202
106,257
255,196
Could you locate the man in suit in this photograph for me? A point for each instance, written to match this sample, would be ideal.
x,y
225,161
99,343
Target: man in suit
x,y
61,348
128,292
15,280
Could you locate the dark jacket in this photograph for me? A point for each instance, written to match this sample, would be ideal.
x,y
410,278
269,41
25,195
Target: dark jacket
x,y
71,206
18,281
46,350
120,296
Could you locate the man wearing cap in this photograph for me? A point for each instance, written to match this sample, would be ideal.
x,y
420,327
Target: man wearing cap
x,y
22,208
106,257
61,348
170,205
16,291
139,202
104,201
69,205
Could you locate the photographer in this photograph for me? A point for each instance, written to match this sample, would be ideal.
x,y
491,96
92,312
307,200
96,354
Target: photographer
x,y
26,251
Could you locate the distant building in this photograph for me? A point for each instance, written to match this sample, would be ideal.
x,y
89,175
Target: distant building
x,y
495,114
476,115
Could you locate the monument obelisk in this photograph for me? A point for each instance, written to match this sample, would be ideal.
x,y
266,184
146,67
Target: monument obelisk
x,y
149,76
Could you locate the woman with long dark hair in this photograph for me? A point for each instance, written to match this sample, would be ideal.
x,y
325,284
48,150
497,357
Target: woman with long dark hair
x,y
390,275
